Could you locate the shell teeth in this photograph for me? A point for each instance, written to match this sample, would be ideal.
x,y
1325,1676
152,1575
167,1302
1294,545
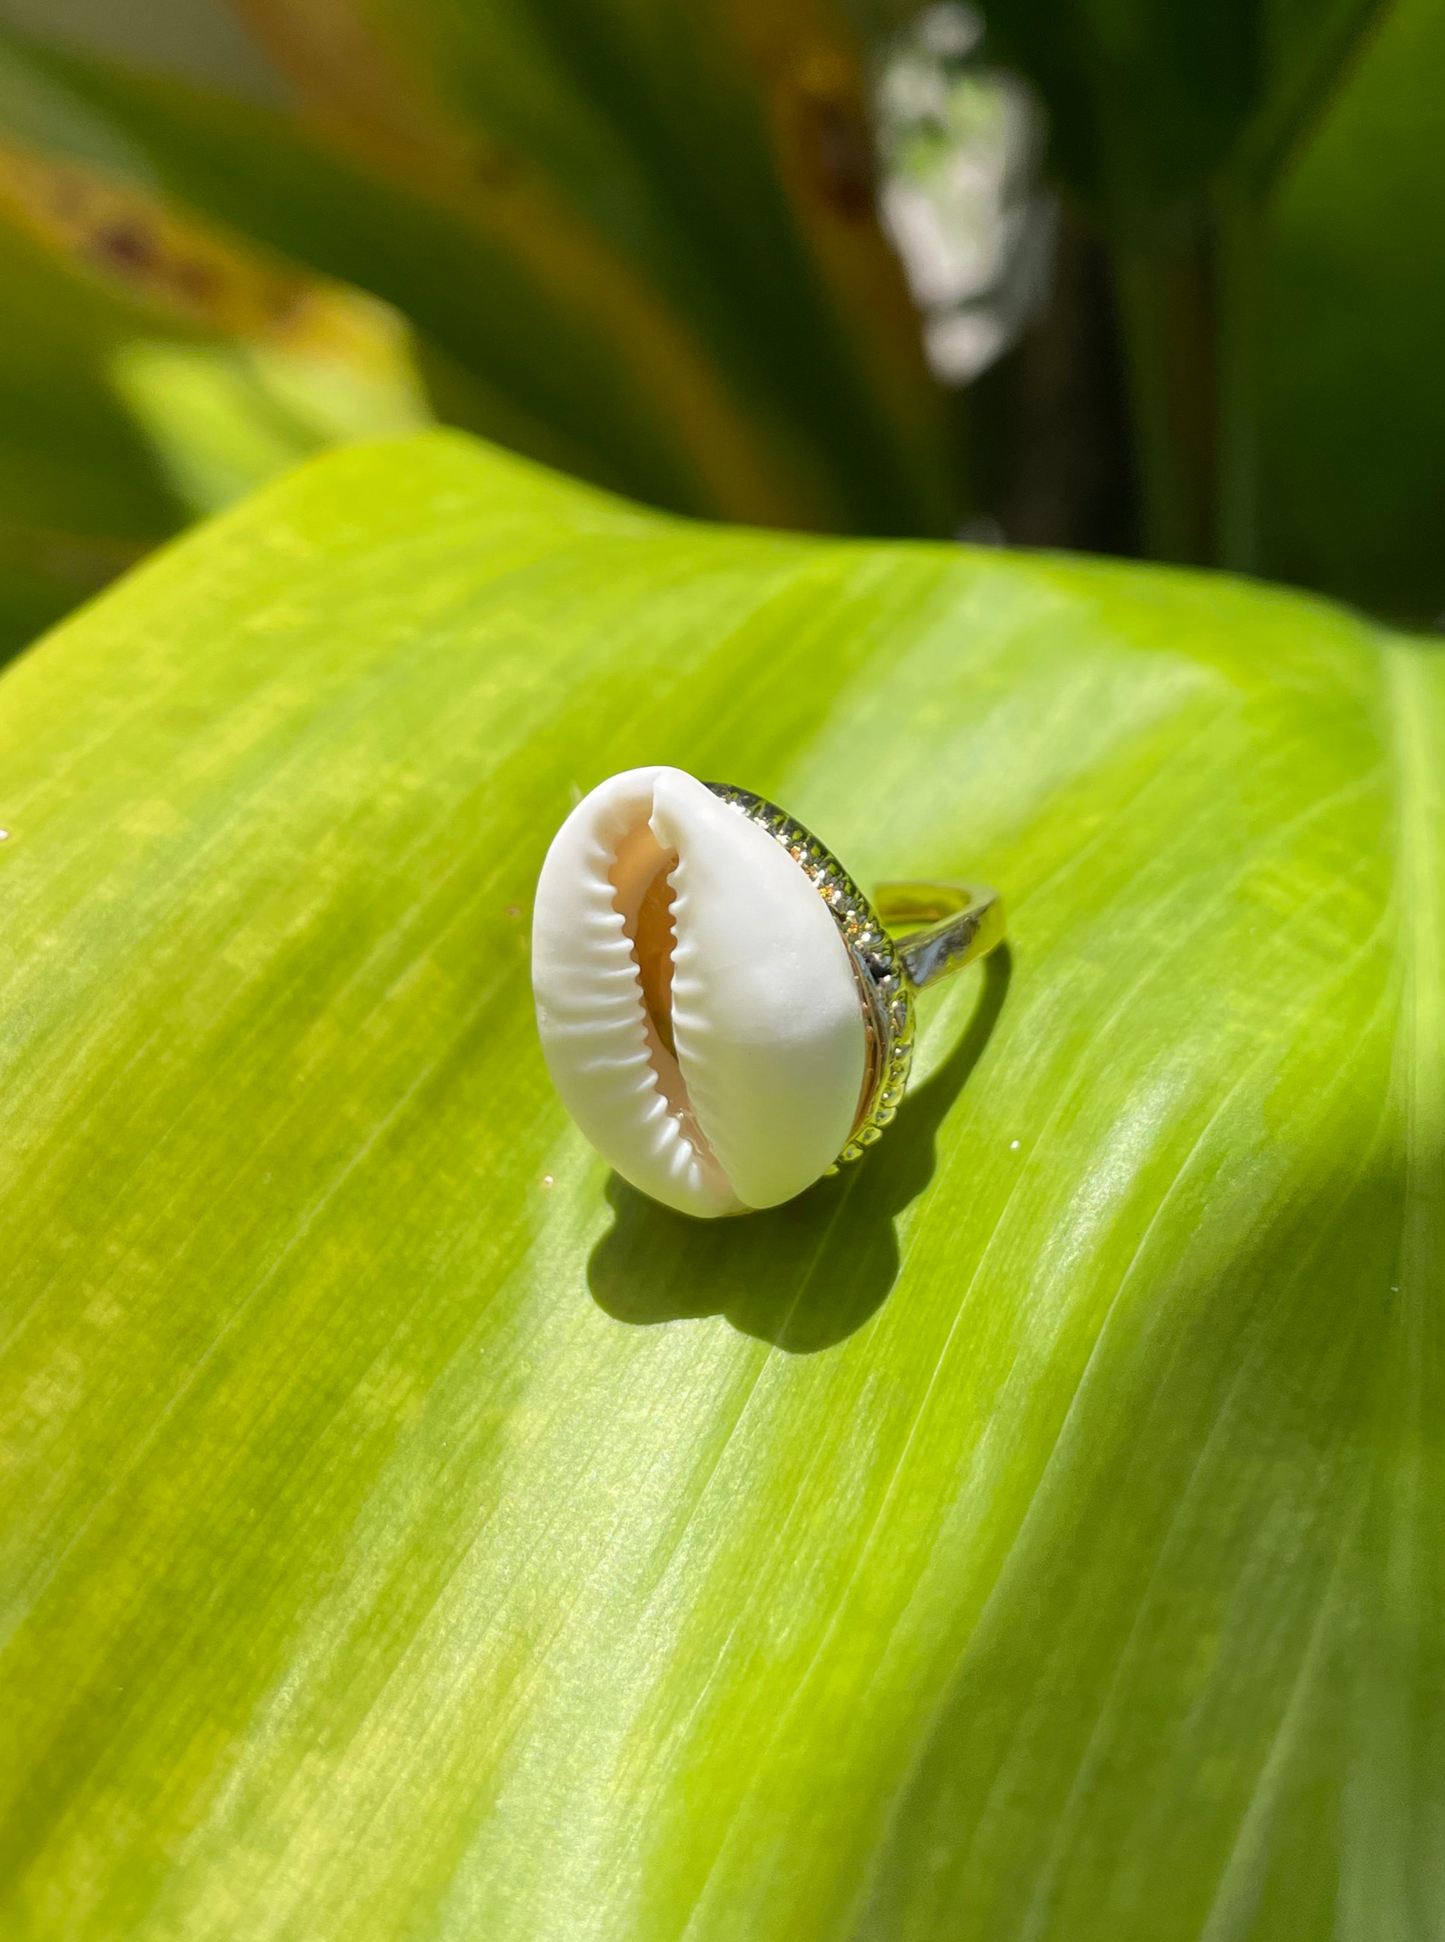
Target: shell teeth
x,y
760,1092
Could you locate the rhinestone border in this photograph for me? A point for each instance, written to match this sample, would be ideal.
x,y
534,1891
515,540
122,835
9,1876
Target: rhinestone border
x,y
883,985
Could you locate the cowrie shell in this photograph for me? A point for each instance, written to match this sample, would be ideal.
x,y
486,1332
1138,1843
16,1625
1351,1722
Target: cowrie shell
x,y
697,1007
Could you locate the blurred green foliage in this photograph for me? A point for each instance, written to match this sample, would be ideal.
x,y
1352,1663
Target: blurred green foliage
x,y
1267,179
152,370
640,242
1353,392
81,495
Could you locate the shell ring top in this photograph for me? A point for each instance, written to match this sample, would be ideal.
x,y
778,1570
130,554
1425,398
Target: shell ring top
x,y
722,1010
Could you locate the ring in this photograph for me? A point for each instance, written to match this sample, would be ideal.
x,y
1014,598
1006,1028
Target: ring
x,y
722,1010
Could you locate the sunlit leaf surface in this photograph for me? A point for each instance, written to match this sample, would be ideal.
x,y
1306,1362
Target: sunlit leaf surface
x,y
1033,1532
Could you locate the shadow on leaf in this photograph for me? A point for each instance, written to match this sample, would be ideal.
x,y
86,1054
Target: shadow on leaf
x,y
805,1275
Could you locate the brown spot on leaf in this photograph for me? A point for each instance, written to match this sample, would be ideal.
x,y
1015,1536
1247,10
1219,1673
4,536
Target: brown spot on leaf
x,y
840,155
197,282
492,166
123,247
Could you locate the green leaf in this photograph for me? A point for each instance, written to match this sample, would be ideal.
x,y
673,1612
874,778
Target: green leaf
x,y
1354,406
1032,1531
80,495
1150,101
661,270
1172,126
149,371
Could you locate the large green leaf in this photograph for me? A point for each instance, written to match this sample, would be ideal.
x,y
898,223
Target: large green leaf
x,y
1032,1532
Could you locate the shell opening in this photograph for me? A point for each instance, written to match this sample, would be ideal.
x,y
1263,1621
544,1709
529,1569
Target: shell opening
x,y
641,878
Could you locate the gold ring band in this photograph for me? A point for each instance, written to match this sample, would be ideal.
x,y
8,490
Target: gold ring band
x,y
963,922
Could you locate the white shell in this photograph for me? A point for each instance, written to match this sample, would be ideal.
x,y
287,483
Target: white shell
x,y
762,1091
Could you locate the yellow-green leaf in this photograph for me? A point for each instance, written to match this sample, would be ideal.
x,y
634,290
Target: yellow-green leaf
x,y
408,1532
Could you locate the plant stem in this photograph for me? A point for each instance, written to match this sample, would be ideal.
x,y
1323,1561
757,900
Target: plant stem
x,y
1165,301
1239,297
1051,418
1241,268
